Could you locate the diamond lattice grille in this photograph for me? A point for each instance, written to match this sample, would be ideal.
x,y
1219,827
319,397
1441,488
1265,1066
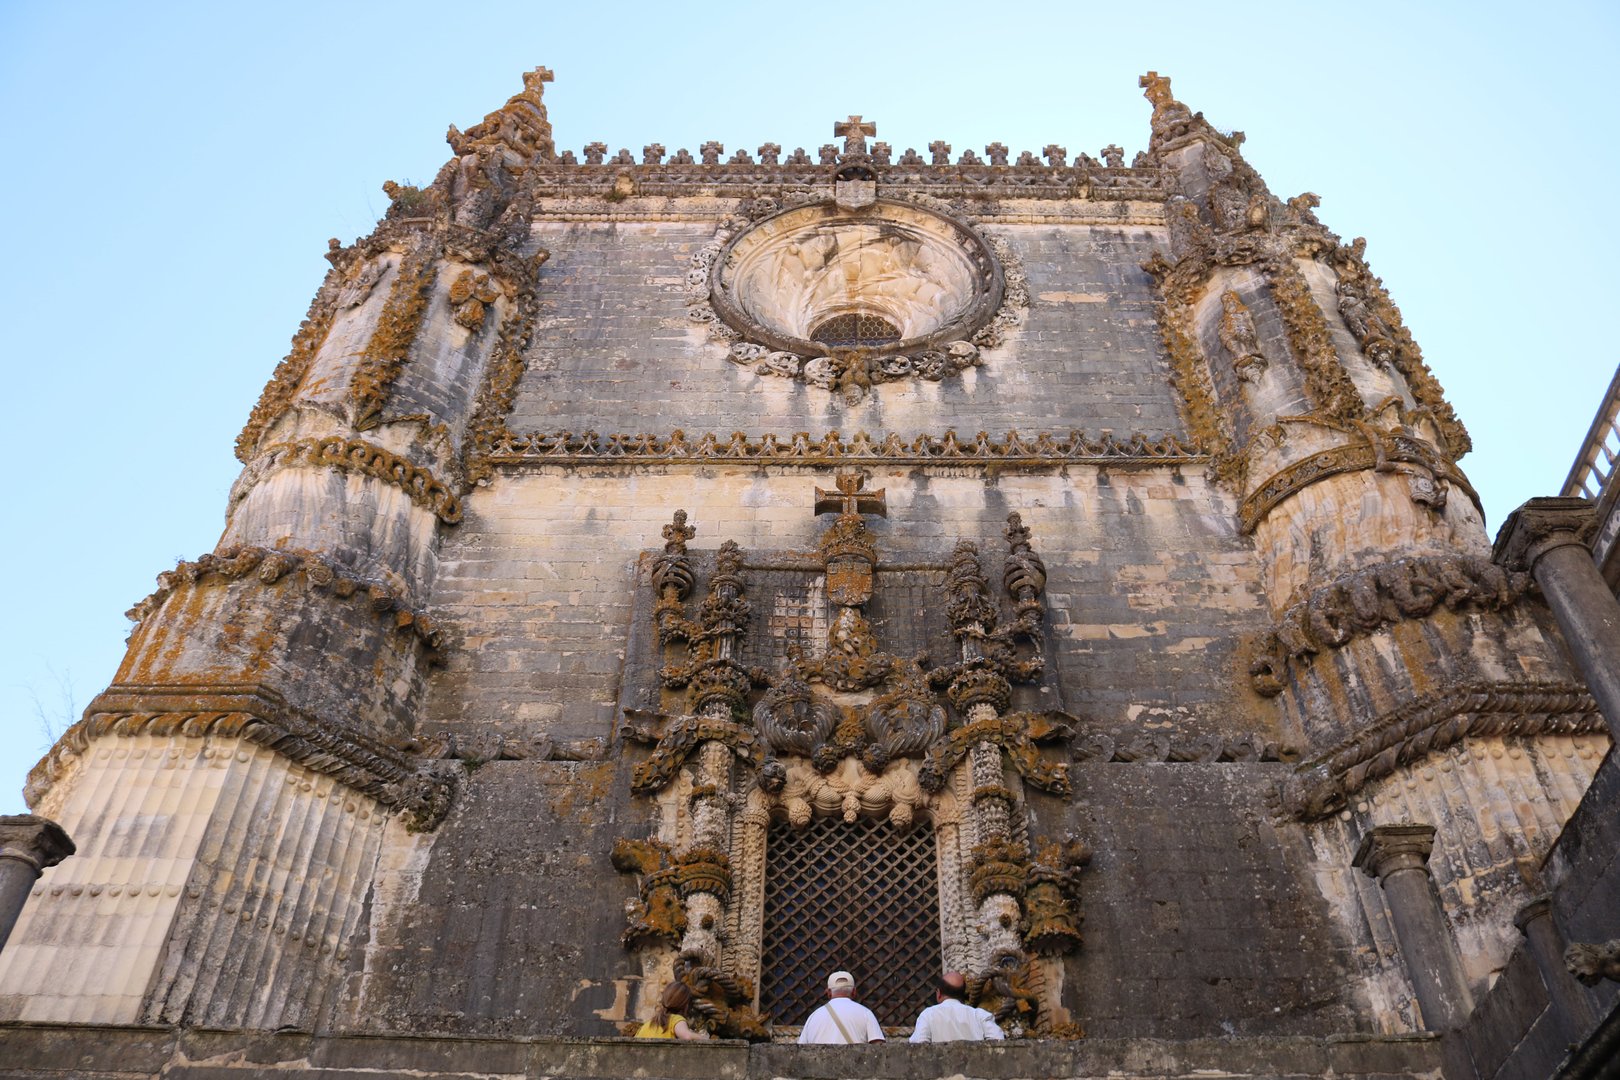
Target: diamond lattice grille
x,y
856,329
861,897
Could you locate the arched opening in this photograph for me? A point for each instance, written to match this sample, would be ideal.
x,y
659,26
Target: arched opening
x,y
856,329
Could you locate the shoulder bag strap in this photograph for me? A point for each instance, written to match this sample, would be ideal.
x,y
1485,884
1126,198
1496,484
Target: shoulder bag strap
x,y
842,1030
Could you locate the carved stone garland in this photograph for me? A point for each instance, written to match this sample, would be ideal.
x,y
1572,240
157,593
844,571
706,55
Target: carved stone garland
x,y
892,755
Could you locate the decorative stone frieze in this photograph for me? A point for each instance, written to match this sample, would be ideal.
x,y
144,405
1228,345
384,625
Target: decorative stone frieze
x,y
267,566
420,792
570,448
1147,746
1368,600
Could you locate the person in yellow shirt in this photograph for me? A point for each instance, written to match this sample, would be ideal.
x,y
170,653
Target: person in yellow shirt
x,y
669,1022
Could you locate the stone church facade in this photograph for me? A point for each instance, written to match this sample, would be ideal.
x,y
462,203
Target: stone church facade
x,y
729,568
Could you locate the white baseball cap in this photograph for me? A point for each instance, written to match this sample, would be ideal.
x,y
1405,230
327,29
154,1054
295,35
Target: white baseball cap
x,y
840,978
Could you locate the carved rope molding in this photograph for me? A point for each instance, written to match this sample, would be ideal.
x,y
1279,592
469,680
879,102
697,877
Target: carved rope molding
x,y
1365,601
569,448
359,761
266,566
1352,457
1430,723
369,459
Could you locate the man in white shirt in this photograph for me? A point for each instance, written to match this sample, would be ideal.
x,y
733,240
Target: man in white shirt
x,y
952,1019
841,1021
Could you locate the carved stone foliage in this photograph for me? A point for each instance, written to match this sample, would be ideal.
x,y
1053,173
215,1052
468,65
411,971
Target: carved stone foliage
x,y
1052,895
1018,735
267,566
1375,320
1237,222
1368,600
420,790
1430,723
848,730
470,294
387,352
933,291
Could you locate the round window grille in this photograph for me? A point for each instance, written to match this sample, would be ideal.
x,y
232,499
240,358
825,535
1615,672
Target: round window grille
x,y
856,330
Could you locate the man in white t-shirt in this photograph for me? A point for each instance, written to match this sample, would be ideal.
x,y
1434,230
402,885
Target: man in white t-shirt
x,y
841,1021
952,1019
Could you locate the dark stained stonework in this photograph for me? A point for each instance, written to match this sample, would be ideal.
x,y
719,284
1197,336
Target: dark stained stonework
x,y
1117,567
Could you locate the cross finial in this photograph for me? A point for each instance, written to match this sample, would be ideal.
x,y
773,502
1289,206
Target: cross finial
x,y
677,533
854,132
535,79
850,500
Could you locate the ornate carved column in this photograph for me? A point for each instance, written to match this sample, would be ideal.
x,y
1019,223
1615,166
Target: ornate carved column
x,y
28,845
1398,856
1549,537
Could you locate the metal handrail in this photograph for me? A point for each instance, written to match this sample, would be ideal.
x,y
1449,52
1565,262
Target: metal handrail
x,y
1594,469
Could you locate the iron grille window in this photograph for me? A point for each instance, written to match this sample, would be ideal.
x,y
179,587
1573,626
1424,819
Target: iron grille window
x,y
859,897
856,329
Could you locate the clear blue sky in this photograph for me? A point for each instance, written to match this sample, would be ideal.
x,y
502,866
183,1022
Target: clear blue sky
x,y
174,170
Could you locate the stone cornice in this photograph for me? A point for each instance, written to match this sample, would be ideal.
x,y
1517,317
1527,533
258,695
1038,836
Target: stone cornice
x,y
1047,448
1541,525
1430,723
359,760
1088,180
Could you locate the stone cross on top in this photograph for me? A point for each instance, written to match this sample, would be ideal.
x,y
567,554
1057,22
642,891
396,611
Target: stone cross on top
x,y
536,80
854,131
849,500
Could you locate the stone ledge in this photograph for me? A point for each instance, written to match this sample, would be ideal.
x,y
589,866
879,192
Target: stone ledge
x,y
62,1050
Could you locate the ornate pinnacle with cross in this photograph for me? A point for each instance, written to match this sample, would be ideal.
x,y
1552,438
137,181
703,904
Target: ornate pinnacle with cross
x,y
849,500
854,132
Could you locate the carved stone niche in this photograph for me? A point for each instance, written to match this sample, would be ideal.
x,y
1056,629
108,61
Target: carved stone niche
x,y
885,281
